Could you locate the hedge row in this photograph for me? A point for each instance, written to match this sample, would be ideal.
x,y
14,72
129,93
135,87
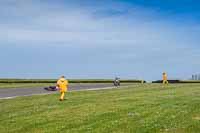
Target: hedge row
x,y
178,81
189,81
71,81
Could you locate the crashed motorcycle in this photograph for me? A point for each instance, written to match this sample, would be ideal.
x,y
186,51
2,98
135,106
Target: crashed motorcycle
x,y
51,88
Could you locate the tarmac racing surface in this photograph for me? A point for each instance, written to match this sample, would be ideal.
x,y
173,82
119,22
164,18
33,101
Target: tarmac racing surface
x,y
16,92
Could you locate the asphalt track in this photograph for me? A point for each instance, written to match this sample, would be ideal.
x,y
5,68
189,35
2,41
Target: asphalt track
x,y
16,92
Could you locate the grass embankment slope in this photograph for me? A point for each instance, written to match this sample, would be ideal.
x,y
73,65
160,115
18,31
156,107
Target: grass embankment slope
x,y
140,108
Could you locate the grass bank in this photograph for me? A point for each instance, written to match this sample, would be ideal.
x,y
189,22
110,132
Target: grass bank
x,y
70,80
141,108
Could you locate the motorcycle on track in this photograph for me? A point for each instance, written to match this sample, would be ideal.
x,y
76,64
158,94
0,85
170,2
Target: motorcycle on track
x,y
116,82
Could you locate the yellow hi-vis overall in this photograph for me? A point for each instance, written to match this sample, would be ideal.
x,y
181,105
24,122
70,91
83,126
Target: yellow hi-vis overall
x,y
62,83
165,79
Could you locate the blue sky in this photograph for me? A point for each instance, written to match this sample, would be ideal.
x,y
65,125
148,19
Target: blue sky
x,y
99,39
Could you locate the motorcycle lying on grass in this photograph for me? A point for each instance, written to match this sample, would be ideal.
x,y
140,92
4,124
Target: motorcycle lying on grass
x,y
51,88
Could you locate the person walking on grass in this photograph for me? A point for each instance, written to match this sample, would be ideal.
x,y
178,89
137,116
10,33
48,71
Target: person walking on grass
x,y
165,81
62,85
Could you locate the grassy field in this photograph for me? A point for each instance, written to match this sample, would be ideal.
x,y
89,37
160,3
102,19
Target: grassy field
x,y
24,85
140,108
70,80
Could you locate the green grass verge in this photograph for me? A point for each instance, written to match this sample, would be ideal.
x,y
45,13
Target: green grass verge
x,y
143,108
70,80
24,85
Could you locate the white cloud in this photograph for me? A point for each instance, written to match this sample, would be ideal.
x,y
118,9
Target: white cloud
x,y
43,23
36,22
146,33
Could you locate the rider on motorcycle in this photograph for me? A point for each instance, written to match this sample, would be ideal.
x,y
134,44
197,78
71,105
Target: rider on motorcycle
x,y
116,82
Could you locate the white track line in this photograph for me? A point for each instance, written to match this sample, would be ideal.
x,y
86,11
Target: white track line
x,y
92,89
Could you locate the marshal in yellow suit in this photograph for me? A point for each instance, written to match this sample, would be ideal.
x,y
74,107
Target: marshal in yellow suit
x,y
62,84
165,81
